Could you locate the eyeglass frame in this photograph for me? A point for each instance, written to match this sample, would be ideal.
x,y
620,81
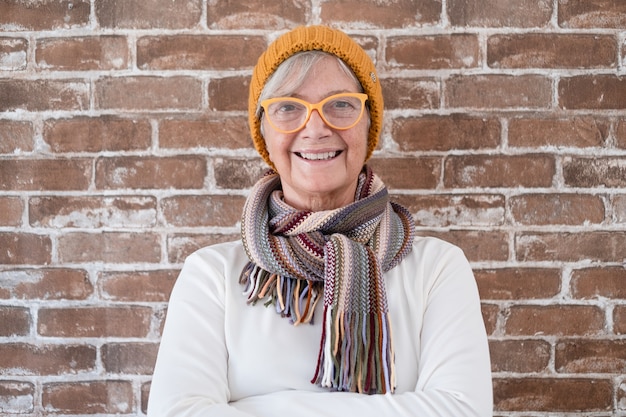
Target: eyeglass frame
x,y
317,106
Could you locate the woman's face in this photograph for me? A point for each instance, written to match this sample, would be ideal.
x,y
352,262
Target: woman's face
x,y
318,165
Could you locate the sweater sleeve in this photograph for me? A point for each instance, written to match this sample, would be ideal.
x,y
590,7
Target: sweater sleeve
x,y
190,375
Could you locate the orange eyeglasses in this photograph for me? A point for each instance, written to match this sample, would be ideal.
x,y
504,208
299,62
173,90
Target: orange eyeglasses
x,y
289,114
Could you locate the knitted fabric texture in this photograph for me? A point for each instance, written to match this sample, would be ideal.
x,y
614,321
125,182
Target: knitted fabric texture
x,y
321,38
299,256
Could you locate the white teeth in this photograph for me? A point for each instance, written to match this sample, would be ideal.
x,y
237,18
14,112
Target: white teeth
x,y
319,156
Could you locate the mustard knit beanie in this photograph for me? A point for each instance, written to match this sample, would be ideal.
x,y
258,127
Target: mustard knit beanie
x,y
322,38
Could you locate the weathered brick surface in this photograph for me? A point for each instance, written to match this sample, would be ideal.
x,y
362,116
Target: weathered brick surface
x,y
444,133
101,397
46,284
500,13
553,395
83,53
41,95
97,134
16,137
13,54
372,13
433,52
198,52
551,51
17,15
124,147
520,356
257,14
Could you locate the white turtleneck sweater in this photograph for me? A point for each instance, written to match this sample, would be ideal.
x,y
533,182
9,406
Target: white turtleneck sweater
x,y
221,357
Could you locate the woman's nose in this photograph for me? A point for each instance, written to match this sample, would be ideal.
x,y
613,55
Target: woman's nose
x,y
316,124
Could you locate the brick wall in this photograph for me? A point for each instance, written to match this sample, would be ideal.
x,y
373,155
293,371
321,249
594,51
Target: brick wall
x,y
124,147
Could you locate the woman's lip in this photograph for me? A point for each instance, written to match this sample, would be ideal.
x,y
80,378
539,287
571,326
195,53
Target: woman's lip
x,y
318,156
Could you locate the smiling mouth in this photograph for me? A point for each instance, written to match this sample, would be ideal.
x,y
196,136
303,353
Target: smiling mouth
x,y
321,156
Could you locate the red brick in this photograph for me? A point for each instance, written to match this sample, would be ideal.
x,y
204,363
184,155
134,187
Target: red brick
x,y
198,52
223,132
43,14
129,358
97,134
145,395
16,137
232,173
592,14
112,247
595,172
591,356
551,51
45,174
499,91
500,13
454,210
558,320
229,94
571,247
198,211
444,133
619,319
83,53
619,208
46,284
148,286
411,93
42,95
140,172
518,283
521,356
14,321
94,322
579,132
96,397
11,209
16,397
478,245
433,52
490,313
621,133
13,54
93,212
179,246
156,14
373,13
591,283
148,93
25,359
499,171
598,92
408,173
257,14
553,395
566,209
24,248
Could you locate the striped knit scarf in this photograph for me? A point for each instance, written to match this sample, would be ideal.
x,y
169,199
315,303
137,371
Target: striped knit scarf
x,y
296,256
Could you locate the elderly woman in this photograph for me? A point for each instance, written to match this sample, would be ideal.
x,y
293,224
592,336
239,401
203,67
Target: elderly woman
x,y
329,305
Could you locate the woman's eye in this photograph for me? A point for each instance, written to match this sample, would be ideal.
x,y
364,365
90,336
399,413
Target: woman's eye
x,y
343,105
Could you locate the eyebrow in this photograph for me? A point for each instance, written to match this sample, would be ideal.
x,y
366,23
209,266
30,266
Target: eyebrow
x,y
330,93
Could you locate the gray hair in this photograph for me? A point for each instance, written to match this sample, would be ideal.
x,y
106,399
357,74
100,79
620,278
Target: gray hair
x,y
291,73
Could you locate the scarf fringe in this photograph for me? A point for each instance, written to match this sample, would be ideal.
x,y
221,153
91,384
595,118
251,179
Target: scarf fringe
x,y
292,298
356,353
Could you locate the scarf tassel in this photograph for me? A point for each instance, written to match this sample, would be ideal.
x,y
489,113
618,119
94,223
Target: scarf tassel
x,y
295,299
356,354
